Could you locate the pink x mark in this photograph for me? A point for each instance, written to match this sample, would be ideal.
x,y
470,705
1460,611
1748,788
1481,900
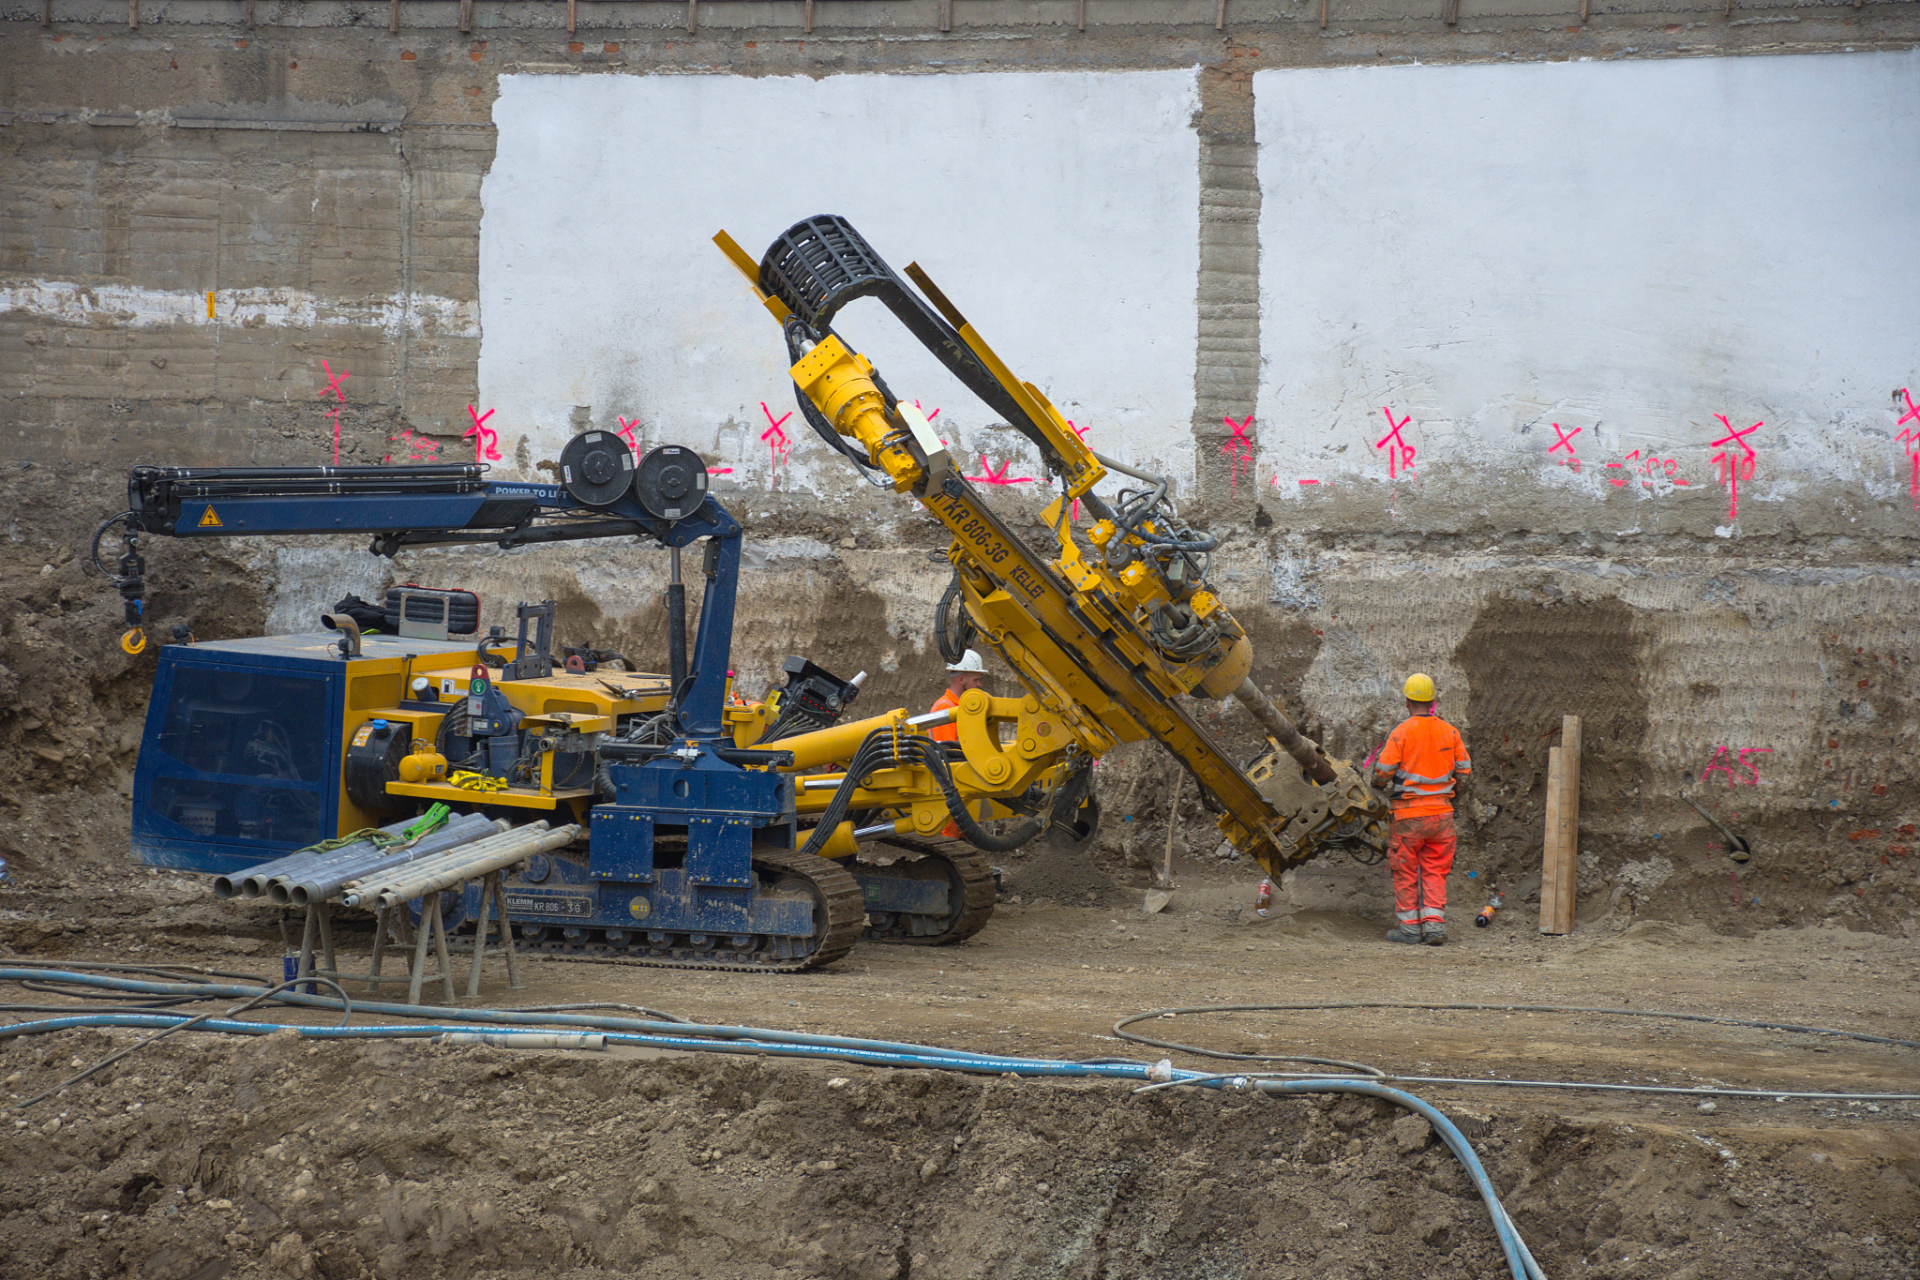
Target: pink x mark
x,y
1736,469
1911,439
484,437
1566,440
1000,476
626,429
333,382
776,438
1239,447
1399,453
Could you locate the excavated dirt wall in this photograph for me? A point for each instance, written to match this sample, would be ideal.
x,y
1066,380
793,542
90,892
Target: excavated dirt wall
x,y
310,156
328,173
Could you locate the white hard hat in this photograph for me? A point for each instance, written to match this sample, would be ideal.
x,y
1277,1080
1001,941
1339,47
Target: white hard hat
x,y
969,661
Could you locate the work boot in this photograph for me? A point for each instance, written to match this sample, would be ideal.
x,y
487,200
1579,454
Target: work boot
x,y
1434,935
1403,934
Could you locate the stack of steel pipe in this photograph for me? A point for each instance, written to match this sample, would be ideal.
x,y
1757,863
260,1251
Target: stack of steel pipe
x,y
430,875
252,882
321,881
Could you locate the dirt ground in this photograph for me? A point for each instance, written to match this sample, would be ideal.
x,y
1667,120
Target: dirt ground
x,y
210,1156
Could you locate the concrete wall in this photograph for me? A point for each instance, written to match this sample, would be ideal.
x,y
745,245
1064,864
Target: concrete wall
x,y
1061,210
1625,251
1228,245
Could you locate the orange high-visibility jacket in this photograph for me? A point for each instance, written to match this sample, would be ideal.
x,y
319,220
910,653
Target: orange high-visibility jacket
x,y
1425,755
948,732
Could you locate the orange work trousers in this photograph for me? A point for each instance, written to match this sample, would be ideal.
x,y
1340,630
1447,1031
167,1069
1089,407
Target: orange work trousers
x,y
1420,854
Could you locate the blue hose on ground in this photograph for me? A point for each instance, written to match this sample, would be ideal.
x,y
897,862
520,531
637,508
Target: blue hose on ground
x,y
903,1056
1519,1258
728,1039
506,1017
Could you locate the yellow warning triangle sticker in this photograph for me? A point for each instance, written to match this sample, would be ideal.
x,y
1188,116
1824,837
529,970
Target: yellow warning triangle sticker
x,y
210,520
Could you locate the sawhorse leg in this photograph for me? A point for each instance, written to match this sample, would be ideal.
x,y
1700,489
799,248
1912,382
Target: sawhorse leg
x,y
392,919
492,890
430,924
319,922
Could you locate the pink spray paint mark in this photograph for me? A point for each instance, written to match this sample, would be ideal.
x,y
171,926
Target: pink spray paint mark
x,y
1565,441
1239,448
1722,764
333,386
1733,470
1399,452
627,432
990,476
1911,439
1080,433
419,448
485,438
1656,470
779,448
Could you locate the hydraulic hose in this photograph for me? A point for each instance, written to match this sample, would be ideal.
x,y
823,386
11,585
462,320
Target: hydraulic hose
x,y
884,747
935,760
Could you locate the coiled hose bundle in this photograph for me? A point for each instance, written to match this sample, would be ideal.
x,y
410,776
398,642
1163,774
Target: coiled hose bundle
x,y
887,748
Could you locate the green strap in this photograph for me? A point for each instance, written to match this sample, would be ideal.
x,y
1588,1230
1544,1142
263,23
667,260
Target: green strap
x,y
425,825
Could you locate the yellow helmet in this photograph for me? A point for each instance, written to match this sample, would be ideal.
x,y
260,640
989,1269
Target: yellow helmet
x,y
1420,687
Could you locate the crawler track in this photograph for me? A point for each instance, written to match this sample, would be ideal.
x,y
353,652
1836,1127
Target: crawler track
x,y
839,914
969,880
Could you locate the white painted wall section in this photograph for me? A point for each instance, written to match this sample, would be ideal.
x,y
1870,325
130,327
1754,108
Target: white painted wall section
x,y
1060,212
1626,248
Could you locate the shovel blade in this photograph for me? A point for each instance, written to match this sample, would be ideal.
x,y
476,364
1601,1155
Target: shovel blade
x,y
1156,901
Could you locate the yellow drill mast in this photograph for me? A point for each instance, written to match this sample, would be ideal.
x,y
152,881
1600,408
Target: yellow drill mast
x,y
1107,636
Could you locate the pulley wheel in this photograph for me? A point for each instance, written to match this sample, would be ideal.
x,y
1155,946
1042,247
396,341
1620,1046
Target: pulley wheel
x,y
596,467
671,482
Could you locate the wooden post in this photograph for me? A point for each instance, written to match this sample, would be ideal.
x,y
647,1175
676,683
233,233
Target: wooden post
x,y
1560,862
1173,824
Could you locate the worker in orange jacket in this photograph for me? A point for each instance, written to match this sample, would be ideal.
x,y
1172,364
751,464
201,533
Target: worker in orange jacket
x,y
961,676
1420,768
